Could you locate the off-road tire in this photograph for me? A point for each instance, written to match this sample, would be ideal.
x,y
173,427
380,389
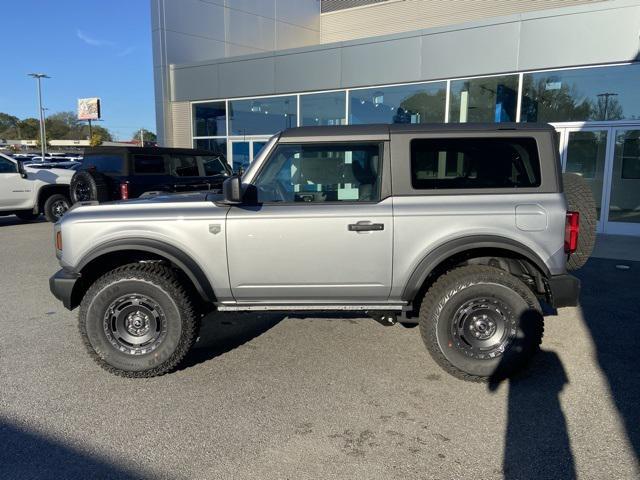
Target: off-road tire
x,y
89,186
459,287
52,207
160,284
580,199
27,215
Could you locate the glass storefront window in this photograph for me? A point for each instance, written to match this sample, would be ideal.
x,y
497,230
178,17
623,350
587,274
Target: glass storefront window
x,y
262,116
420,103
323,109
589,94
210,119
216,145
489,99
624,205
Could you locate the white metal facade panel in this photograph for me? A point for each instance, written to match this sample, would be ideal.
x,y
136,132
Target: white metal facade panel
x,y
403,16
181,120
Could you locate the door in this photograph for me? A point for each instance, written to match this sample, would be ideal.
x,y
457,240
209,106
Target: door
x,y
320,232
608,158
15,191
624,195
242,152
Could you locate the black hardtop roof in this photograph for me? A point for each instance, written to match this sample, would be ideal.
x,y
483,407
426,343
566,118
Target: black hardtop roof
x,y
385,129
147,150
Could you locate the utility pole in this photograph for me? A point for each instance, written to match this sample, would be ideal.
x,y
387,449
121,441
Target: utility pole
x,y
142,137
43,138
606,101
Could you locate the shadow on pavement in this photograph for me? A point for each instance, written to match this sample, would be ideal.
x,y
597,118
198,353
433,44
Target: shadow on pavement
x,y
10,220
223,332
29,455
610,302
537,441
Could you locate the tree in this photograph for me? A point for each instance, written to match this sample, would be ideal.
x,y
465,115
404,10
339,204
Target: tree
x,y
30,128
96,140
147,136
103,132
9,126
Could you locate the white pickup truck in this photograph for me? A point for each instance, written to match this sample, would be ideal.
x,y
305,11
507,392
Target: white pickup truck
x,y
28,192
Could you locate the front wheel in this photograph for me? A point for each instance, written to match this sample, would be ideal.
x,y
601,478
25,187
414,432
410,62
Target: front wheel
x,y
138,321
480,322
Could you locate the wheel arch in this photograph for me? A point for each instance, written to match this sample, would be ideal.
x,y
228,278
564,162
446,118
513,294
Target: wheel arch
x,y
119,252
460,250
53,189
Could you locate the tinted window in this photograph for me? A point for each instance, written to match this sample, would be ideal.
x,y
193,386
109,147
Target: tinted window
x,y
321,173
7,166
148,164
418,103
210,119
184,166
103,163
604,93
474,163
490,99
262,115
323,108
214,165
215,145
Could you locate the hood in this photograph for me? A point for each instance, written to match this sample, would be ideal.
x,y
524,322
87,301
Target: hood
x,y
179,197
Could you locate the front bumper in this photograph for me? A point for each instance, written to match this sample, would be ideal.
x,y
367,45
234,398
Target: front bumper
x,y
61,285
564,290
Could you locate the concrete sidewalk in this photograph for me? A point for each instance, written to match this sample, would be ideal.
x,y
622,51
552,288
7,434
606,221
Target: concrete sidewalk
x,y
617,247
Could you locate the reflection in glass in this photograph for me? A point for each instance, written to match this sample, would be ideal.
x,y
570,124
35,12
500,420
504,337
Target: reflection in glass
x,y
240,156
420,103
588,94
323,109
489,99
586,151
216,145
624,205
257,147
262,116
210,119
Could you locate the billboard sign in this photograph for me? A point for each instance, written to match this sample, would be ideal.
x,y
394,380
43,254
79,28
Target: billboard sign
x,y
88,109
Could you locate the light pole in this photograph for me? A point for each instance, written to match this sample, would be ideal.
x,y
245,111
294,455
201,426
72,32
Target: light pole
x,y
43,138
606,96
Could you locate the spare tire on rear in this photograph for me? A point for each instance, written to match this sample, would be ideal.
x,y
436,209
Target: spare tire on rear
x,y
89,186
580,199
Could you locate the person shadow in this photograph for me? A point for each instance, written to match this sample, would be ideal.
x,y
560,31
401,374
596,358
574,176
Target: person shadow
x,y
537,441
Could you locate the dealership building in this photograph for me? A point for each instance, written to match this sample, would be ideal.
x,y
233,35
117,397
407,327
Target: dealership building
x,y
231,73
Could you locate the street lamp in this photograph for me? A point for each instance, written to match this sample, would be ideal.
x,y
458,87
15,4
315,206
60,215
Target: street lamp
x,y
43,139
606,96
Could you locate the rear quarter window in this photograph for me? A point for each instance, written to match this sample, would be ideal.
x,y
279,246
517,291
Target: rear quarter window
x,y
149,164
471,163
104,163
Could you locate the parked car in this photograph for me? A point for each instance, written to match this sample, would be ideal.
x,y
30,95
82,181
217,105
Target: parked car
x,y
116,173
463,229
71,165
28,192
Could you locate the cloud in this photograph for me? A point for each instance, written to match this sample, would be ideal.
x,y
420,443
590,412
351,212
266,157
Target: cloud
x,y
125,52
94,42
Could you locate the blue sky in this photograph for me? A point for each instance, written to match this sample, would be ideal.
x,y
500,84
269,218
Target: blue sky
x,y
90,48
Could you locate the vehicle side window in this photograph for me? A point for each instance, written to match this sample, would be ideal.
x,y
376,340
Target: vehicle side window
x,y
183,166
149,164
7,166
214,165
464,163
321,173
103,163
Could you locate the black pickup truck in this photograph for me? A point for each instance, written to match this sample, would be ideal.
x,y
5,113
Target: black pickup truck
x,y
120,173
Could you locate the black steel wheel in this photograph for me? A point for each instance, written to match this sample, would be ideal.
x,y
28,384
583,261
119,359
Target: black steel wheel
x,y
479,322
138,320
88,185
55,207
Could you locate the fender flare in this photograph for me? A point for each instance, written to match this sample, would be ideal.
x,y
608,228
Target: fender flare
x,y
176,256
441,253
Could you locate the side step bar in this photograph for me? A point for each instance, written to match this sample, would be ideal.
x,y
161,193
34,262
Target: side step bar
x,y
300,308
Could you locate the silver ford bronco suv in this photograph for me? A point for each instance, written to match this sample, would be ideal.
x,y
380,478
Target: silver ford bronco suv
x,y
465,230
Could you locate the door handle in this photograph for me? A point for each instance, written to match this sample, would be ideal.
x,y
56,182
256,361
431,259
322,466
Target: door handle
x,y
365,226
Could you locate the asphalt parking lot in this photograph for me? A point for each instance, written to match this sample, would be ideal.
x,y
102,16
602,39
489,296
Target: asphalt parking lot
x,y
291,397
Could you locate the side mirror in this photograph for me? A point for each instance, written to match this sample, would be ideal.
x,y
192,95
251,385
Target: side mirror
x,y
232,190
21,169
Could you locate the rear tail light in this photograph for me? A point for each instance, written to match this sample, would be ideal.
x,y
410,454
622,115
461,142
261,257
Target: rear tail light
x,y
571,231
124,190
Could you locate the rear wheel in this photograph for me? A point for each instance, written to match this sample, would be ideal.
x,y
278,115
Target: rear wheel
x,y
138,321
55,207
480,322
